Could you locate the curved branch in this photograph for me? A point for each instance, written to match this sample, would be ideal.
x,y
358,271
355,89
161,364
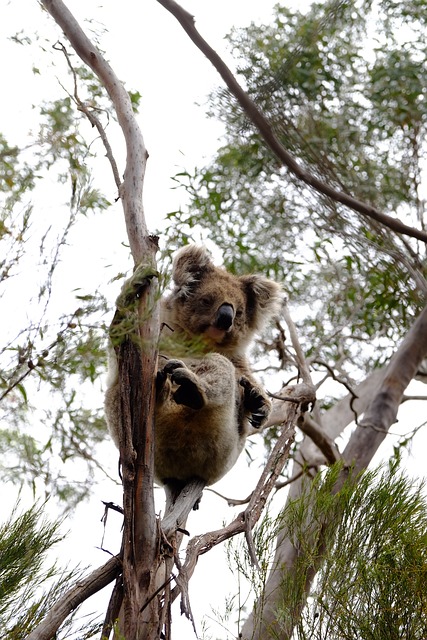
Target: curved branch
x,y
136,153
83,590
260,121
322,441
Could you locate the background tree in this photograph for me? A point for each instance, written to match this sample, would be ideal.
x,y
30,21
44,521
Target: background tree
x,y
55,343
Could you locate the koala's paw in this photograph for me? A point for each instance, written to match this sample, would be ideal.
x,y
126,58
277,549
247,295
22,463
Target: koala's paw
x,y
188,392
255,402
162,374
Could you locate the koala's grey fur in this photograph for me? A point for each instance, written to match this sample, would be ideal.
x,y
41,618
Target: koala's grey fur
x,y
206,395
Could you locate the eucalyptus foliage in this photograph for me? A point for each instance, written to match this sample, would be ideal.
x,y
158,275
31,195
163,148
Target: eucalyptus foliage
x,y
344,86
373,582
371,539
29,583
53,335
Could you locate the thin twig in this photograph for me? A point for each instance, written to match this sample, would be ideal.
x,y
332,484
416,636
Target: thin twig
x,y
91,117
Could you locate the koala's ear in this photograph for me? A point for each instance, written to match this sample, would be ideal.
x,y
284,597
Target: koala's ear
x,y
265,299
190,263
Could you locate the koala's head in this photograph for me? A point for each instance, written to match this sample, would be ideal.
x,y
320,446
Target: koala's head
x,y
224,310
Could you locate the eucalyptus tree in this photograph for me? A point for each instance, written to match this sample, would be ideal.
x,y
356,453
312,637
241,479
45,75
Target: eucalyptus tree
x,y
318,184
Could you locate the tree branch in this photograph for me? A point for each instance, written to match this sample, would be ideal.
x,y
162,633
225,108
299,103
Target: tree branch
x,y
260,121
176,511
137,356
326,445
382,412
245,521
84,589
136,153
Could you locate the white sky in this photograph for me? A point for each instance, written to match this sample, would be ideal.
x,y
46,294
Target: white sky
x,y
149,51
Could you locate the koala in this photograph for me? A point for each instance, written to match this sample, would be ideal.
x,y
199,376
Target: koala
x,y
206,396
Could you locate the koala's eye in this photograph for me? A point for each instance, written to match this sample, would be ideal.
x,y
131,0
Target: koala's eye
x,y
206,301
239,312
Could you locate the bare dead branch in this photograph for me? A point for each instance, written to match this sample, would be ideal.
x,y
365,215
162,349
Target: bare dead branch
x,y
248,518
260,121
84,589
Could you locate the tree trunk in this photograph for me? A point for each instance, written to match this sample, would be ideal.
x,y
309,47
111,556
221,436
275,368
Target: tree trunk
x,y
378,397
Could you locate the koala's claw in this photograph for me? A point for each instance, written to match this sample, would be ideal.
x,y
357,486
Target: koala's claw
x,y
256,402
187,392
162,374
171,365
257,419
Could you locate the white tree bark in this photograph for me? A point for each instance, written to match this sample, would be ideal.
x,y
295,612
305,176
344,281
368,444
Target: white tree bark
x,y
379,397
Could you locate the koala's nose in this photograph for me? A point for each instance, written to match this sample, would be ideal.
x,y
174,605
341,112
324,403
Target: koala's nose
x,y
224,317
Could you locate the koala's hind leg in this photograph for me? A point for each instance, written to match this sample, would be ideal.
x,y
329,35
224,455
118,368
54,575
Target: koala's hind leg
x,y
255,401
